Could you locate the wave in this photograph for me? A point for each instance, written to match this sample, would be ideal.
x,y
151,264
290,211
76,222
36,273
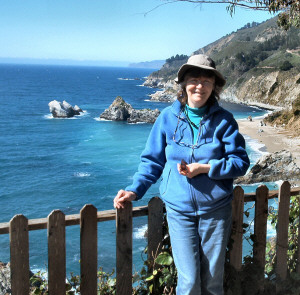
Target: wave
x,y
126,79
102,120
139,233
82,174
50,116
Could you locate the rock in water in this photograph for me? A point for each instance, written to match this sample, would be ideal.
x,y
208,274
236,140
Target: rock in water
x,y
272,167
119,110
63,109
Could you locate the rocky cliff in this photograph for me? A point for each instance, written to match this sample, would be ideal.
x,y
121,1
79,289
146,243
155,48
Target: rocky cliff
x,y
260,62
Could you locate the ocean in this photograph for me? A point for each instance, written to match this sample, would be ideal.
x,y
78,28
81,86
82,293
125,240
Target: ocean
x,y
49,163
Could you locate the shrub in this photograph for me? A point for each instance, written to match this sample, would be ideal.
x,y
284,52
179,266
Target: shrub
x,y
286,66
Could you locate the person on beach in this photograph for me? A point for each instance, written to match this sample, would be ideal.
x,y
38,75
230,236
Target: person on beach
x,y
196,147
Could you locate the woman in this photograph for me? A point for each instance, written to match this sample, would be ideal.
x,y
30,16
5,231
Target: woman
x,y
196,147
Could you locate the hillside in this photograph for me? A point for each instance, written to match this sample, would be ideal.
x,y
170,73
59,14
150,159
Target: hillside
x,y
260,62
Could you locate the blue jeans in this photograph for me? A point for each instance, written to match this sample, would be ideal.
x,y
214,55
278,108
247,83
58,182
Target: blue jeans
x,y
199,247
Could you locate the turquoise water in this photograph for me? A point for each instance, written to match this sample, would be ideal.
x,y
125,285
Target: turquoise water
x,y
49,163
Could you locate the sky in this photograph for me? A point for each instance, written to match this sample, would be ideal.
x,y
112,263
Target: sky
x,y
119,31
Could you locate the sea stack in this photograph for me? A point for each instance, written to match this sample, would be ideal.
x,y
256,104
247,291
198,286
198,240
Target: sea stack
x,y
119,110
63,109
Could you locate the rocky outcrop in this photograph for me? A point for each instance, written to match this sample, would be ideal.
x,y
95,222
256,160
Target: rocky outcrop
x,y
277,88
145,116
119,110
63,109
163,96
154,82
272,167
5,286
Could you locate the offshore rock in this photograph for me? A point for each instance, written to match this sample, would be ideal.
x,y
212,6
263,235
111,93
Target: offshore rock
x,y
63,109
119,110
272,167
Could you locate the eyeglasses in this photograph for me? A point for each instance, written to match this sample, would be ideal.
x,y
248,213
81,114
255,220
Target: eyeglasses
x,y
196,82
181,143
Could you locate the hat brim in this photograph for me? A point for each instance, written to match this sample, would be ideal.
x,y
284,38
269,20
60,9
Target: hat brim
x,y
184,68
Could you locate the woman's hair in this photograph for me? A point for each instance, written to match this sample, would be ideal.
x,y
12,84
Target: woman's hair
x,y
195,73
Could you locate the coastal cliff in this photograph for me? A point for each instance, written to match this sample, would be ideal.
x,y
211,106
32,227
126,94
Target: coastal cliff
x,y
260,62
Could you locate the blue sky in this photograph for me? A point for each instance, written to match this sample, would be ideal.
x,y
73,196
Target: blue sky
x,y
112,30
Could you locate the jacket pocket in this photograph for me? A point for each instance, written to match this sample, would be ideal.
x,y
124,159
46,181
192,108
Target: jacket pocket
x,y
164,182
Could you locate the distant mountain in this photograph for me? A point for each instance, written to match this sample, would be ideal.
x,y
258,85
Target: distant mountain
x,y
260,62
155,64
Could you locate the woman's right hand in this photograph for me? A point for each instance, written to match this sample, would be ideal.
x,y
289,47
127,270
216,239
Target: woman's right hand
x,y
122,197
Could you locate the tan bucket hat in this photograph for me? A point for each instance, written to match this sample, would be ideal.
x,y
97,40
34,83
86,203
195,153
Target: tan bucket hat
x,y
203,62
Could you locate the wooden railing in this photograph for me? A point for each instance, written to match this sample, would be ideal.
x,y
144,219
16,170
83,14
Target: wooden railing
x,y
19,226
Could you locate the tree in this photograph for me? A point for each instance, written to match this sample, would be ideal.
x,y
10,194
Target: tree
x,y
289,10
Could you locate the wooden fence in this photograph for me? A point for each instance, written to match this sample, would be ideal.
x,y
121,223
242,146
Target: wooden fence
x,y
19,226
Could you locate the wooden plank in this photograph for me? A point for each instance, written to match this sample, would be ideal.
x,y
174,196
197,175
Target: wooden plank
x,y
236,252
88,250
19,255
260,230
74,219
155,229
56,253
124,250
282,233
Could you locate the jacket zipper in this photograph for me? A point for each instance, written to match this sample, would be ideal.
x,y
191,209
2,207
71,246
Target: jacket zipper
x,y
191,159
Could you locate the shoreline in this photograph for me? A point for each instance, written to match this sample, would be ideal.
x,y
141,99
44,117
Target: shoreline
x,y
274,139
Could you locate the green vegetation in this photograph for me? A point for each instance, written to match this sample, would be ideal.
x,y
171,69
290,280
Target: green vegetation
x,y
289,10
170,68
254,46
176,58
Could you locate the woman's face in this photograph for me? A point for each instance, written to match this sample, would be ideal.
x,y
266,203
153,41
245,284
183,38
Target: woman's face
x,y
199,90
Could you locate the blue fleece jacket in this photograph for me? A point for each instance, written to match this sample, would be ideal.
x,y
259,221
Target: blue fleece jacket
x,y
220,144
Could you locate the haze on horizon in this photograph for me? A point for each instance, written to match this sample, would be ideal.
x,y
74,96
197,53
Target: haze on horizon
x,y
111,32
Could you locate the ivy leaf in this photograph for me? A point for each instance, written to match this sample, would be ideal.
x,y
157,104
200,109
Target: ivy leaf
x,y
150,278
164,258
151,288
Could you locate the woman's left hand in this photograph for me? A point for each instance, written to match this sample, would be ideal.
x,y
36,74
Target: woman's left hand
x,y
193,169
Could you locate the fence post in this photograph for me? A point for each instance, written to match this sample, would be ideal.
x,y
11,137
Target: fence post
x,y
282,232
260,231
19,255
236,252
56,253
88,250
124,250
155,229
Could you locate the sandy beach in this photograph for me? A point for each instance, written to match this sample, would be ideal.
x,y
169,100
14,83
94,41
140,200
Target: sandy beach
x,y
274,138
